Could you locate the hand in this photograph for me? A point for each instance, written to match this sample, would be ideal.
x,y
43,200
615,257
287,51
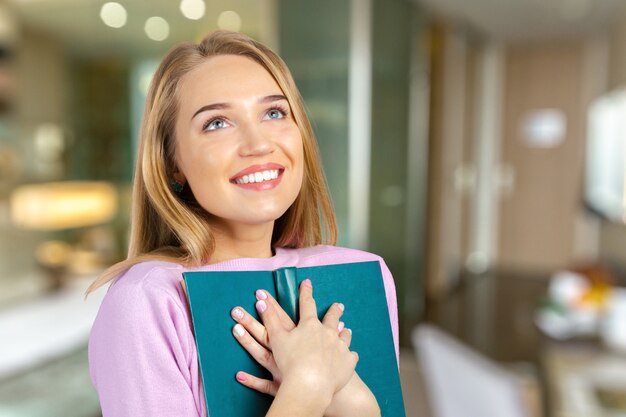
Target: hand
x,y
354,398
313,353
254,338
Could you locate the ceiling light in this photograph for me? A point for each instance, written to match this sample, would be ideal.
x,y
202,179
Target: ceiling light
x,y
157,28
192,9
229,20
113,14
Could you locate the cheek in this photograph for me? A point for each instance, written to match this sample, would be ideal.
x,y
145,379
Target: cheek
x,y
300,170
301,165
183,156
294,145
201,163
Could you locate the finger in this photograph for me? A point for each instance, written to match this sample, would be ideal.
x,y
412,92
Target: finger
x,y
331,318
285,320
258,384
308,309
346,336
260,354
355,358
256,329
270,318
340,326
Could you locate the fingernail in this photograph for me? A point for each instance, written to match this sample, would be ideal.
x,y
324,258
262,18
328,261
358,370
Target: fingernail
x,y
308,283
261,295
340,327
241,377
350,330
341,306
237,313
239,330
261,306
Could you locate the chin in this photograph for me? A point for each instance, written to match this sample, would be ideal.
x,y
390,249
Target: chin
x,y
261,218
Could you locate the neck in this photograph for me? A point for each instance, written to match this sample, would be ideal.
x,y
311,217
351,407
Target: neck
x,y
242,241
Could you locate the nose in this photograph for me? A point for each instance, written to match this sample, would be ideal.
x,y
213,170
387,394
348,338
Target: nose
x,y
255,141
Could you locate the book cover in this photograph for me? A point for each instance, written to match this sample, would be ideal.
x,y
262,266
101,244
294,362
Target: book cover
x,y
359,286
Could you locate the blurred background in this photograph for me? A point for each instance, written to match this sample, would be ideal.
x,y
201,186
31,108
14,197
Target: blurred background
x,y
479,146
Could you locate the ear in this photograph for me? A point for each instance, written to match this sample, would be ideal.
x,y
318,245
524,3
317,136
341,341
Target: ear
x,y
179,177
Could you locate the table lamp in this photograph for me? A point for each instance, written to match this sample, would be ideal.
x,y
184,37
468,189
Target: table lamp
x,y
59,206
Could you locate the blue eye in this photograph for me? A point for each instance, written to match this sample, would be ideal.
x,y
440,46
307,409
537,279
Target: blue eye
x,y
215,124
276,113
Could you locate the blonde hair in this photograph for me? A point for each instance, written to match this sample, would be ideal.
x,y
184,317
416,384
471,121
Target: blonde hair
x,y
173,227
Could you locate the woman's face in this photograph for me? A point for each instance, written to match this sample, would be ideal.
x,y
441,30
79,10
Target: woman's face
x,y
237,144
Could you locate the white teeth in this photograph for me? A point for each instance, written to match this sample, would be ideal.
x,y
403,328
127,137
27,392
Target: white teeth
x,y
268,175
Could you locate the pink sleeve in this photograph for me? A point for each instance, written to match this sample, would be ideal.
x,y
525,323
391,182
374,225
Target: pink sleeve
x,y
392,304
140,354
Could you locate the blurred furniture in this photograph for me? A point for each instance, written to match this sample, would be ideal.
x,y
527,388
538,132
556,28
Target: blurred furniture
x,y
46,328
493,315
461,382
585,379
60,388
43,361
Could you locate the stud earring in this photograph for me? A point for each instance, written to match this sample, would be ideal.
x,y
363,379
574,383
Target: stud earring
x,y
176,186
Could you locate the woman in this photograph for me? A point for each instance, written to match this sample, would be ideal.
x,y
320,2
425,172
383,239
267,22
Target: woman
x,y
228,177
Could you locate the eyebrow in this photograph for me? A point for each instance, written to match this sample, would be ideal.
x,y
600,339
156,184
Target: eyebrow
x,y
221,106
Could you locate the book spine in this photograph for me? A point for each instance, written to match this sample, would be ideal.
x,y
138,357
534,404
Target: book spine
x,y
286,281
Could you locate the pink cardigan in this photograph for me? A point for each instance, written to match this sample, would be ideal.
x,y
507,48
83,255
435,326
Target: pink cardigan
x,y
142,353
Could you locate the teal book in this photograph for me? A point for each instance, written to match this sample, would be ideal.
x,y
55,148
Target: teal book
x,y
359,286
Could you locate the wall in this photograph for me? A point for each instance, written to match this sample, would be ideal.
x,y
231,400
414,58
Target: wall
x,y
398,163
314,42
617,57
538,218
40,65
448,150
613,235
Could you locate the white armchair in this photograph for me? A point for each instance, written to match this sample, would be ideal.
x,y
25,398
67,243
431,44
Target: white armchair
x,y
460,382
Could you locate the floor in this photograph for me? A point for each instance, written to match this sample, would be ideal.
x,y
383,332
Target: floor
x,y
415,400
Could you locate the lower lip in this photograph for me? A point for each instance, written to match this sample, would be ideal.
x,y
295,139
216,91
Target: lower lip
x,y
262,186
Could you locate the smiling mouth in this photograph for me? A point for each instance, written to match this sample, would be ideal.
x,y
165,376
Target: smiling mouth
x,y
258,177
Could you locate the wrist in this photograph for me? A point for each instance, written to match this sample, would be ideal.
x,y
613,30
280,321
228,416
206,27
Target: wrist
x,y
367,404
308,396
355,399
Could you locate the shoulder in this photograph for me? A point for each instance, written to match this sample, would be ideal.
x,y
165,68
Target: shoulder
x,y
143,304
142,337
147,284
149,274
328,255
